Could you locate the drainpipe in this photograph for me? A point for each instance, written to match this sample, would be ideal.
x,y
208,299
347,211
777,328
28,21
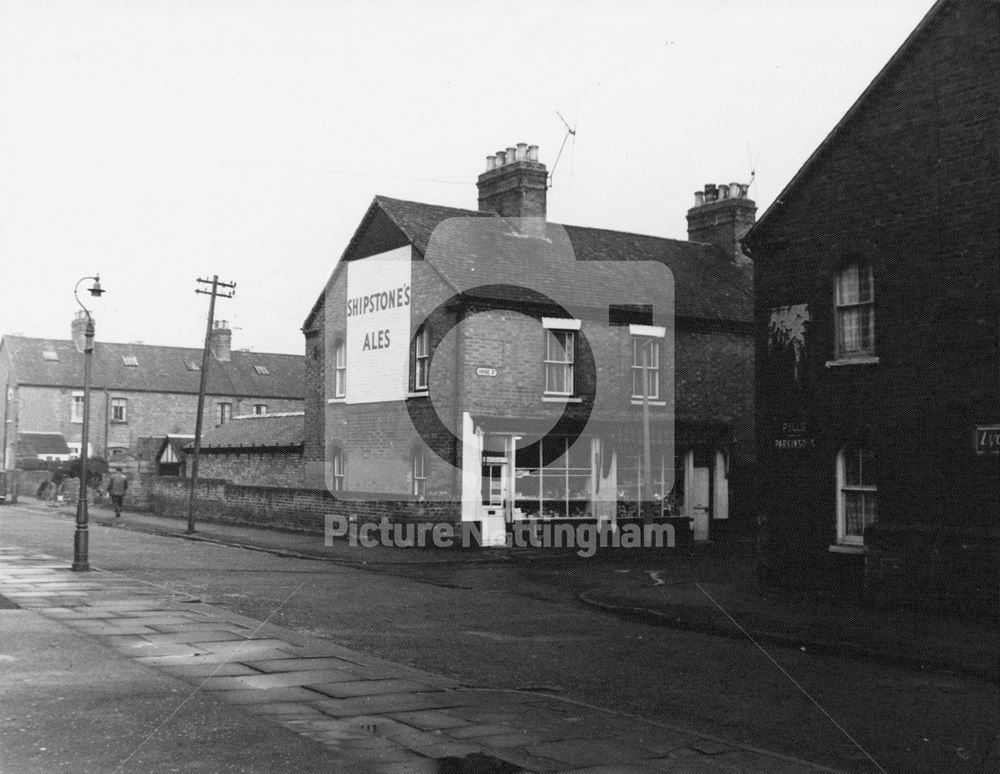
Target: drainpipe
x,y
458,484
107,420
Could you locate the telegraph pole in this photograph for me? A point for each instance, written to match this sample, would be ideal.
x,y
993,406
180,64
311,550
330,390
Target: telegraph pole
x,y
205,359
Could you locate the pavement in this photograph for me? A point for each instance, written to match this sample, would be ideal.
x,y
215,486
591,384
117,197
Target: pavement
x,y
104,673
701,589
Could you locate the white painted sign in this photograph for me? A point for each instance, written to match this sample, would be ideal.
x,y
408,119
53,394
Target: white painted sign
x,y
378,327
486,372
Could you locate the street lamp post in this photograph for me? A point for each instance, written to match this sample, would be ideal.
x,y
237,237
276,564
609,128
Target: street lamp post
x,y
80,558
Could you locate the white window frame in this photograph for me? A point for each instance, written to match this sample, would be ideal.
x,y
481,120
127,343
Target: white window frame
x,y
259,409
121,403
76,407
842,307
566,362
225,411
340,369
338,469
421,359
418,470
652,370
843,488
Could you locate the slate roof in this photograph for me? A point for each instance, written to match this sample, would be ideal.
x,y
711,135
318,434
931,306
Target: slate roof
x,y
279,430
160,369
41,443
707,284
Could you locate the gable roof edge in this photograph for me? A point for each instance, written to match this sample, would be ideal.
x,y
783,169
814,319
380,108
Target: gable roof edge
x,y
852,111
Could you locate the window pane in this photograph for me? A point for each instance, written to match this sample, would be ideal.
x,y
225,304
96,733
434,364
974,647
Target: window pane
x,y
866,327
847,285
866,284
854,514
849,336
555,378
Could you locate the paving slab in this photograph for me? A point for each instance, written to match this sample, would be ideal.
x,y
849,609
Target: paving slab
x,y
404,702
298,664
430,720
354,688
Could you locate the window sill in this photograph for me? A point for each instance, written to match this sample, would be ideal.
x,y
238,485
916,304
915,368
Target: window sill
x,y
841,548
638,402
119,421
561,399
418,394
851,361
336,400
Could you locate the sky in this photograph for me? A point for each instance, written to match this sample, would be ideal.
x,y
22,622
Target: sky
x,y
159,141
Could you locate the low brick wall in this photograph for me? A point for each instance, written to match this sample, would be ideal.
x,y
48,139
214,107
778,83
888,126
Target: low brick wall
x,y
294,509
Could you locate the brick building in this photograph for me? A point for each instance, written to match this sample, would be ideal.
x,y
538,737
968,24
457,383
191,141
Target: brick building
x,y
255,450
876,281
138,390
448,342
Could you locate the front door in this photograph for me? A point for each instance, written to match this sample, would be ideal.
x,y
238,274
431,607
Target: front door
x,y
699,502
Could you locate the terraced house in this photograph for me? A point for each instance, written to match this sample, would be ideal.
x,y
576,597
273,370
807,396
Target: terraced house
x,y
877,306
139,390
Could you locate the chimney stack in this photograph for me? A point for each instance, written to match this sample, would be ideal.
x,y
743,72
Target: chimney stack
x,y
222,341
514,183
78,330
721,216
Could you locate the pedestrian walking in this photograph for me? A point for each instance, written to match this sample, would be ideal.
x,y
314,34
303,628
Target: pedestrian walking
x,y
117,486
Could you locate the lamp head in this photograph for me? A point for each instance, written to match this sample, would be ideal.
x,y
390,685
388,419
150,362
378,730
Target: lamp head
x,y
96,289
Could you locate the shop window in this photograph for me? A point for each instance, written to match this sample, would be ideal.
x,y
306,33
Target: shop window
x,y
857,495
76,408
559,361
561,489
855,302
340,370
631,483
119,410
338,468
421,359
645,367
419,471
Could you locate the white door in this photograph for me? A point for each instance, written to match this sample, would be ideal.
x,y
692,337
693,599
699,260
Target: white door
x,y
699,502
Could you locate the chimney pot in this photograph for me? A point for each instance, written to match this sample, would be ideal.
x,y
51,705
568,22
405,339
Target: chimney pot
x,y
222,341
518,192
491,162
725,224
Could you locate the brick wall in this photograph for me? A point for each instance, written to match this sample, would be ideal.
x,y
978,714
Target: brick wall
x,y
910,182
295,509
279,469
